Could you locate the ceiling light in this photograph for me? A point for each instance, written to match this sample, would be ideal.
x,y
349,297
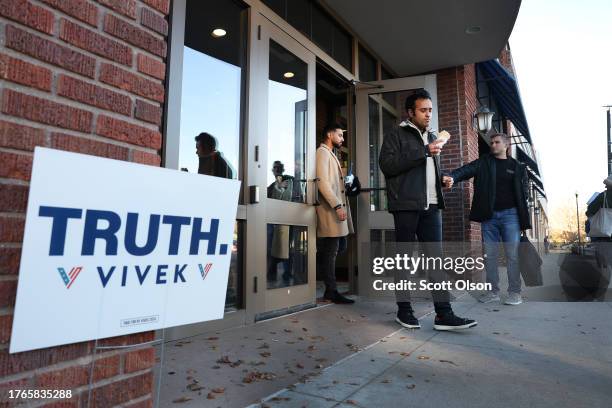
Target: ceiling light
x,y
219,32
288,74
472,30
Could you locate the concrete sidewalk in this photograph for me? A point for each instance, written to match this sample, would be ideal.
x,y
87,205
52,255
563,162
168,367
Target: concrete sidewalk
x,y
538,354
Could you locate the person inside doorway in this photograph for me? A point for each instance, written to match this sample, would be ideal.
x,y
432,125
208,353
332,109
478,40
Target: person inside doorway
x,y
334,220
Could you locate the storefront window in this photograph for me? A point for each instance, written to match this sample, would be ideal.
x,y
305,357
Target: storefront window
x,y
212,105
317,25
214,63
367,65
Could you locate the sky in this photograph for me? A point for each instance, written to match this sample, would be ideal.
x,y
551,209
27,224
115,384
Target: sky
x,y
563,60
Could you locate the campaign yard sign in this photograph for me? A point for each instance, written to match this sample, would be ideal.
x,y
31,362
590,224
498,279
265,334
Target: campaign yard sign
x,y
114,248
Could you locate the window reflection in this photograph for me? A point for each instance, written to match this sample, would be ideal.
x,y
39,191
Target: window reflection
x,y
287,116
287,255
212,88
233,297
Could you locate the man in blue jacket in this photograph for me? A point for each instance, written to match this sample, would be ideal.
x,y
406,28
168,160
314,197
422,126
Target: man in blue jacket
x,y
500,205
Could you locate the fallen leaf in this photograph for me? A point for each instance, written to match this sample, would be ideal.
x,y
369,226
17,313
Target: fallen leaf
x,y
180,400
257,376
288,331
299,365
304,329
219,390
212,338
265,354
210,396
386,381
171,372
280,399
423,358
448,361
411,386
263,346
194,387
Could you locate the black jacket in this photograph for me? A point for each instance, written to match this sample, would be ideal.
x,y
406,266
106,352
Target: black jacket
x,y
483,171
598,202
403,162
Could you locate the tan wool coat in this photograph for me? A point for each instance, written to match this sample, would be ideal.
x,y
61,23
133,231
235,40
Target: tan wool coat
x,y
331,193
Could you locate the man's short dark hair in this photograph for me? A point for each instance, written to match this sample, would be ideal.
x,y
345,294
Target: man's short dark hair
x,y
329,128
207,140
411,100
504,136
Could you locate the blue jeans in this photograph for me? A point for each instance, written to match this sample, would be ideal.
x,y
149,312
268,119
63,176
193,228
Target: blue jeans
x,y
503,227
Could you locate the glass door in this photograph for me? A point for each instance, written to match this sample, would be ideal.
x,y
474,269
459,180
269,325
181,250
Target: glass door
x,y
379,108
281,238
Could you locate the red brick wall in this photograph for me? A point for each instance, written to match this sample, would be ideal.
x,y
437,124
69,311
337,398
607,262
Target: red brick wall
x,y
505,58
457,101
87,77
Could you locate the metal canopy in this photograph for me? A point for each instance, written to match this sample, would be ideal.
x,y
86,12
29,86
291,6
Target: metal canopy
x,y
415,37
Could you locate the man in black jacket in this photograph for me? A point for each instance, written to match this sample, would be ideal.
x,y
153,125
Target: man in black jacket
x,y
500,205
409,159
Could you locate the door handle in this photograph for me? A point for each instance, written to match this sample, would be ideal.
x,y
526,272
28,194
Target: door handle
x,y
315,194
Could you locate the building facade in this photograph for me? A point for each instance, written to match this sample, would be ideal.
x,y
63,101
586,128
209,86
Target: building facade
x,y
138,80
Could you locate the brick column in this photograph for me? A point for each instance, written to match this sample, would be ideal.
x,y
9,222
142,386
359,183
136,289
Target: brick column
x,y
457,101
86,77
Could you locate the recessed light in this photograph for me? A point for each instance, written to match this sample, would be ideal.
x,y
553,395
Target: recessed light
x,y
472,30
218,32
288,74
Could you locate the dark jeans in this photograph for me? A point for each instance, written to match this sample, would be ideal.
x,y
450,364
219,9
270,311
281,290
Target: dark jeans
x,y
422,226
327,250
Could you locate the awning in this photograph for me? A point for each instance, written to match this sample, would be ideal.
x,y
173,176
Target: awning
x,y
537,182
540,190
524,158
505,92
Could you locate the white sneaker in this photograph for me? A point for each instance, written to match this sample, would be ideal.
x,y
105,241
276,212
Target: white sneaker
x,y
489,297
513,299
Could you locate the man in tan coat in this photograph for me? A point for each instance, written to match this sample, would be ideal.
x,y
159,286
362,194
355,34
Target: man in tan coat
x,y
334,221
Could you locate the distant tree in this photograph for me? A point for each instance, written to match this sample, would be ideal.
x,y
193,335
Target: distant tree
x,y
563,223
